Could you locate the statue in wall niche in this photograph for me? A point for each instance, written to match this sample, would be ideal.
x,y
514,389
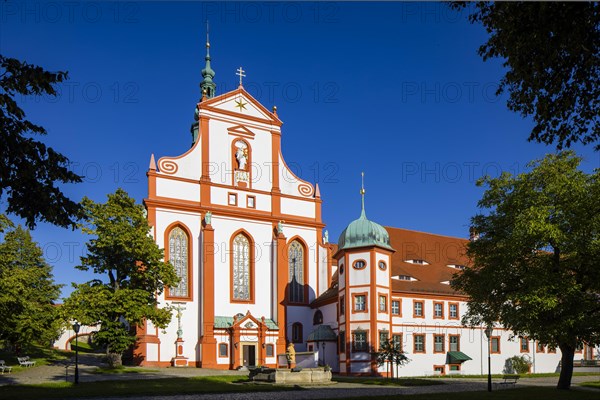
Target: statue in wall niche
x,y
326,237
208,218
242,157
290,355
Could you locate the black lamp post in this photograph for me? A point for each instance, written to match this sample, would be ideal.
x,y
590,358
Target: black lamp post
x,y
323,344
488,333
76,327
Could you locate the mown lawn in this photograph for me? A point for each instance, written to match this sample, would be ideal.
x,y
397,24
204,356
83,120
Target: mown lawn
x,y
41,356
143,387
595,385
499,376
526,393
388,382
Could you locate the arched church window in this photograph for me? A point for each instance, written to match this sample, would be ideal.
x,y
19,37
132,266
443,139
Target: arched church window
x,y
178,257
296,272
241,268
318,318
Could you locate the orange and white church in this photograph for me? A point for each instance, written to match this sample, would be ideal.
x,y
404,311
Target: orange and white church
x,y
245,236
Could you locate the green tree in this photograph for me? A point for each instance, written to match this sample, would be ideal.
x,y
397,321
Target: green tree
x,y
124,252
392,354
551,52
30,169
27,292
535,262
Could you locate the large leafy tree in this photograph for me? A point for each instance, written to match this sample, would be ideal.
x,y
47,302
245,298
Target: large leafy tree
x,y
30,169
536,260
392,354
551,52
27,292
133,273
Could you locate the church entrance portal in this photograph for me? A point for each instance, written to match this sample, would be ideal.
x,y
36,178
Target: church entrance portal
x,y
249,355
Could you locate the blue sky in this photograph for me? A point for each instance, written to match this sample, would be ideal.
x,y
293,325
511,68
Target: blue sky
x,y
392,89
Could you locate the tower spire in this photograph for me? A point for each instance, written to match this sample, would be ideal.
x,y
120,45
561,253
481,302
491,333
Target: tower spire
x,y
207,73
362,195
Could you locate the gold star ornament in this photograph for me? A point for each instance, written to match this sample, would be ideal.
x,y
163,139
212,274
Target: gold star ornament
x,y
240,104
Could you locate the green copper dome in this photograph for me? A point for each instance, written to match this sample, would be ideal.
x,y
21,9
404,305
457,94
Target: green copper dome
x,y
363,233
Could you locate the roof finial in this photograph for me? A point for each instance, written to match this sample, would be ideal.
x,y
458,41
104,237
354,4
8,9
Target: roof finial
x,y
362,195
207,73
240,73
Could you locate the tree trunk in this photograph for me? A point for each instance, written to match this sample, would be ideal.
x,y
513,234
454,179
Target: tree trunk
x,y
566,366
115,360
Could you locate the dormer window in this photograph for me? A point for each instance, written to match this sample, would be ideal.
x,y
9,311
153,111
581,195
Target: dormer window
x,y
457,266
406,278
417,262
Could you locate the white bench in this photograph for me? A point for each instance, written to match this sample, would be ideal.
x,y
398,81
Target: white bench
x,y
25,362
4,367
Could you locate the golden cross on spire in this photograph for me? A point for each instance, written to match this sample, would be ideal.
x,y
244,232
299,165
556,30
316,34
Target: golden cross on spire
x,y
362,185
240,73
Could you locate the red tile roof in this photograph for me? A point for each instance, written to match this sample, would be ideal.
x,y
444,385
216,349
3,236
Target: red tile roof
x,y
437,251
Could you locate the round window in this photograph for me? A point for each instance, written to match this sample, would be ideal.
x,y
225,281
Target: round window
x,y
359,264
382,265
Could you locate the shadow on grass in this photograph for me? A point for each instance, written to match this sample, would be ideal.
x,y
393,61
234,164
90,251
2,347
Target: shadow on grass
x,y
145,387
388,382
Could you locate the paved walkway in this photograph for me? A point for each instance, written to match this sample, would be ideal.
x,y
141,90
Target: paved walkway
x,y
89,363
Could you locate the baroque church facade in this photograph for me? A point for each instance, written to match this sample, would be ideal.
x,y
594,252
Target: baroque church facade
x,y
245,236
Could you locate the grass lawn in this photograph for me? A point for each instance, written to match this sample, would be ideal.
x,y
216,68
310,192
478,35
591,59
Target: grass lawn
x,y
388,382
143,387
595,385
499,376
526,393
122,370
41,356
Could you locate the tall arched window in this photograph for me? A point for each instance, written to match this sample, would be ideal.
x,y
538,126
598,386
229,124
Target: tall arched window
x,y
296,272
241,268
178,257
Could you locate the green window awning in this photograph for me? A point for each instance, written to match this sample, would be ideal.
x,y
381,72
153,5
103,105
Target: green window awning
x,y
456,357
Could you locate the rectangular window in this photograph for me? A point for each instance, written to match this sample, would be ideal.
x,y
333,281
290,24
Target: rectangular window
x,y
223,350
439,369
397,341
251,202
495,343
551,349
360,303
418,309
232,199
540,348
418,343
342,305
383,337
342,340
270,350
524,345
382,303
438,310
454,342
359,341
454,367
396,307
438,343
453,311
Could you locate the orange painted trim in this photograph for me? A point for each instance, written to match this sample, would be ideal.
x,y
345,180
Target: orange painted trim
x,y
424,351
450,304
521,341
457,342
399,313
441,308
240,130
305,270
251,261
358,261
492,347
422,309
226,349
230,196
443,343
384,295
228,211
234,163
354,296
381,264
540,348
208,340
354,350
438,367
190,272
250,201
